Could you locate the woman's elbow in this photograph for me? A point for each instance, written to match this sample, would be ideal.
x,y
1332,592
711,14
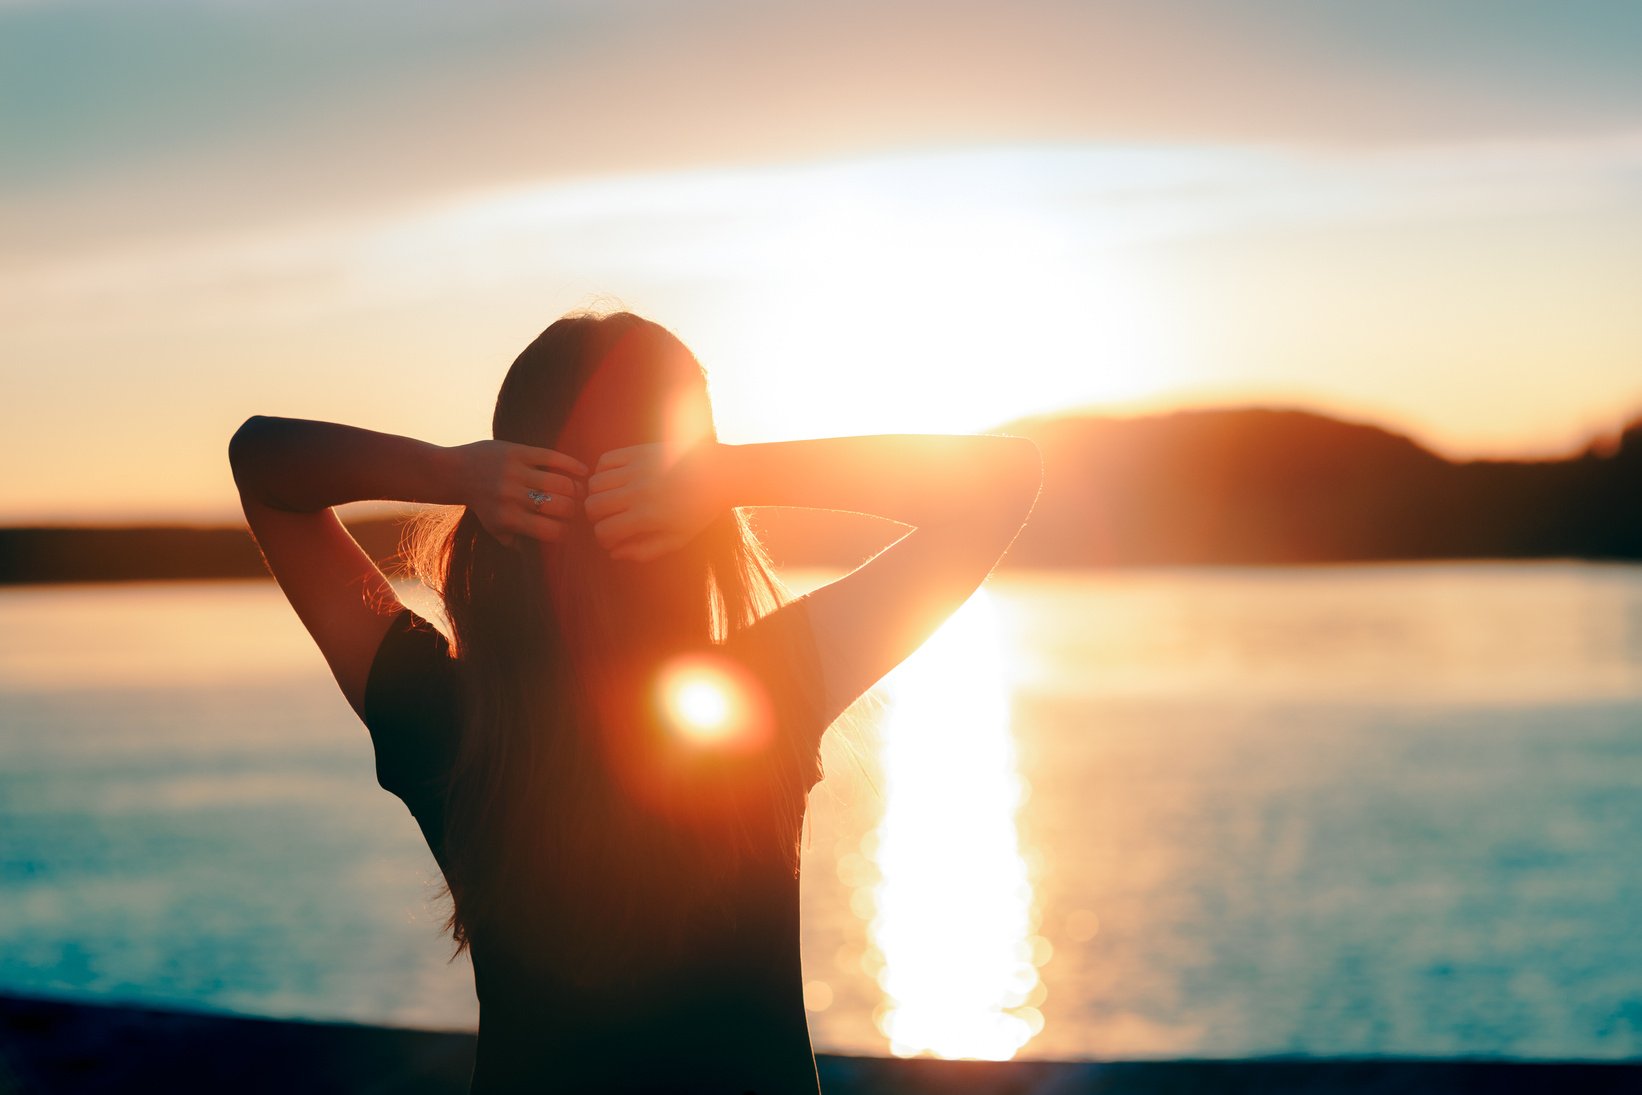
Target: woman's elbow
x,y
246,448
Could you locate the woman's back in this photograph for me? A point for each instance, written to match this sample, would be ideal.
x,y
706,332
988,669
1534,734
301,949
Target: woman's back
x,y
696,995
725,1014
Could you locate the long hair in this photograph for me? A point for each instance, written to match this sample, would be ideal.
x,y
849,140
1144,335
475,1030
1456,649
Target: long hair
x,y
573,813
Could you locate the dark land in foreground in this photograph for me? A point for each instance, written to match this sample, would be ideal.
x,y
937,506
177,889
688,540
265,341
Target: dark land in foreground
x,y
1194,488
51,1047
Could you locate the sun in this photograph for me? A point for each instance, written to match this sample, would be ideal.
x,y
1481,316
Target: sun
x,y
875,314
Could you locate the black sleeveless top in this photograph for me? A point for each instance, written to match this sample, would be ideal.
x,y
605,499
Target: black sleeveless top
x,y
725,1019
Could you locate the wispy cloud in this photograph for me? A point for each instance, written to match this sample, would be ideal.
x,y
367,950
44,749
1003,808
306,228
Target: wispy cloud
x,y
751,222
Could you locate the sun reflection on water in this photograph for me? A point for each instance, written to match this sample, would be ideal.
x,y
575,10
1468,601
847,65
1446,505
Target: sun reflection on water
x,y
952,915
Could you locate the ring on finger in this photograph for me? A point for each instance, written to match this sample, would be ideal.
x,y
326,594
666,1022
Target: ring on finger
x,y
538,498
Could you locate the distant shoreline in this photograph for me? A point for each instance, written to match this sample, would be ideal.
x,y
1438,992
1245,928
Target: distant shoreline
x,y
1246,487
45,555
48,556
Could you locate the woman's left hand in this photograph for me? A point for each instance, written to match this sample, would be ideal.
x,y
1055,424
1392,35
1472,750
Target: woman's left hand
x,y
647,500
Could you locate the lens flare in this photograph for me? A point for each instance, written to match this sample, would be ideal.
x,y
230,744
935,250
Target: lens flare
x,y
712,703
702,708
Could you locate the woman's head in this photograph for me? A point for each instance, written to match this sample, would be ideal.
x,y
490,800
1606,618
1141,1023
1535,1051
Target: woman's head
x,y
592,383
587,385
560,772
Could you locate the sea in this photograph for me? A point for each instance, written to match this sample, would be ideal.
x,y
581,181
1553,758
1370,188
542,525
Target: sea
x,y
1138,814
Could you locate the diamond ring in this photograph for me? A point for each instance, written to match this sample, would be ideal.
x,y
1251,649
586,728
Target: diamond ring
x,y
538,498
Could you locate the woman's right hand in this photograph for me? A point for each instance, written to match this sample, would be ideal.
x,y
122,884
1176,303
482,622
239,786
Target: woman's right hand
x,y
648,500
520,490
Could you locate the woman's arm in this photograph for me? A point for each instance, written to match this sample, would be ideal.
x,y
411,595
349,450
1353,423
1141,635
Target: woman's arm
x,y
966,498
290,472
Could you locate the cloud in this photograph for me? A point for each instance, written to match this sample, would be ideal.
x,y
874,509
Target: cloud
x,y
733,223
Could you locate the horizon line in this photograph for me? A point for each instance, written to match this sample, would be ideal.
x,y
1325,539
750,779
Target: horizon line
x,y
215,517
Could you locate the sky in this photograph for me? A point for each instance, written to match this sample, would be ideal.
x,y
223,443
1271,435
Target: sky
x,y
862,217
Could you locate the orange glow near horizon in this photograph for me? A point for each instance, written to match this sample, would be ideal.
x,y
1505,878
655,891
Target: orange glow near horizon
x,y
954,919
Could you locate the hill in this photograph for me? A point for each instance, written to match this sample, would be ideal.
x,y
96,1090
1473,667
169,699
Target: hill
x,y
1270,486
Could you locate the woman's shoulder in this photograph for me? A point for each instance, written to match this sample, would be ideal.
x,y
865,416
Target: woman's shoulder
x,y
412,702
779,645
781,650
411,649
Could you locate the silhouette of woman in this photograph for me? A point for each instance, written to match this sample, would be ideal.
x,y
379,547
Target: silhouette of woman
x,y
611,754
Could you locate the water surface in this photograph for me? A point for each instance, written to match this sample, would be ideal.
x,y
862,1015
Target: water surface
x,y
1346,810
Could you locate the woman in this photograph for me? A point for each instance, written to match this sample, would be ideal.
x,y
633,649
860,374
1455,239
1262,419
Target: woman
x,y
611,755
